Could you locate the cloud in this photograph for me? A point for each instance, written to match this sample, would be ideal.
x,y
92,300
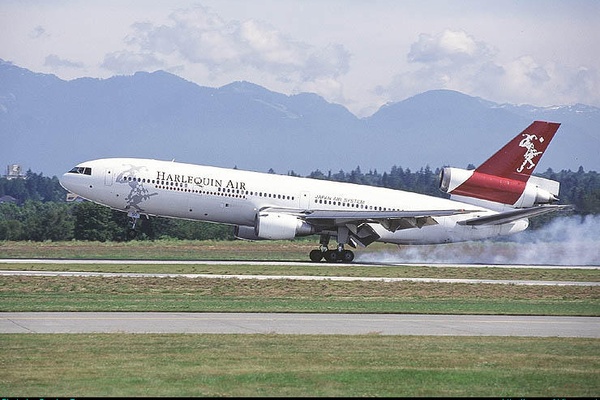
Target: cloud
x,y
38,32
450,59
448,46
127,62
456,60
199,38
527,80
55,61
584,82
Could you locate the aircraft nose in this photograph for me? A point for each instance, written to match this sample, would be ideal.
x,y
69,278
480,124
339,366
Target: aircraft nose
x,y
66,181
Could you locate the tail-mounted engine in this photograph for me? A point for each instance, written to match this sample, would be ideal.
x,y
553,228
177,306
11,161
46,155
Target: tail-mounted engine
x,y
275,226
525,192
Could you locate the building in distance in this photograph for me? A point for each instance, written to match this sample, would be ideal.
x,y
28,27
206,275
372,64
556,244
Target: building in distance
x,y
14,171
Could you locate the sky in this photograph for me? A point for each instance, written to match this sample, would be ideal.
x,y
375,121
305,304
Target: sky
x,y
361,54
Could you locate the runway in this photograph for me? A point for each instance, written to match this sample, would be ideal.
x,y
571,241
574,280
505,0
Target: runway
x,y
294,323
299,324
290,263
290,277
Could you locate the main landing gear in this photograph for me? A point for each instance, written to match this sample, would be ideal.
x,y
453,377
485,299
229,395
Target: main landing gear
x,y
323,252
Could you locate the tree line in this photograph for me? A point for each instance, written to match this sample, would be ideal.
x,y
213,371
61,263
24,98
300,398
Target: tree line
x,y
35,208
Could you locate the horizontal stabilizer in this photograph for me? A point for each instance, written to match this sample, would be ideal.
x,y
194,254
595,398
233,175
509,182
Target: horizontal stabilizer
x,y
513,215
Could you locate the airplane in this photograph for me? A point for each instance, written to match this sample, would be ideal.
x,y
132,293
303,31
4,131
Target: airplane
x,y
495,199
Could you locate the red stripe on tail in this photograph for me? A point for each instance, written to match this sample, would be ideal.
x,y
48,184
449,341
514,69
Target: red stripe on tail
x,y
503,177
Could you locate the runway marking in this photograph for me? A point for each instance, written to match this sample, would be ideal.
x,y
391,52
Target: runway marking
x,y
289,263
295,317
294,277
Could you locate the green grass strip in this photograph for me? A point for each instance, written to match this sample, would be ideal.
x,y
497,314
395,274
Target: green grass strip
x,y
78,365
23,293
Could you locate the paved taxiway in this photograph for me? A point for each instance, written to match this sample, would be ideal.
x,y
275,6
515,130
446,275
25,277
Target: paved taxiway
x,y
274,323
266,323
296,263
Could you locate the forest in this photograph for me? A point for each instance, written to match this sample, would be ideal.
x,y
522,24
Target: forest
x,y
34,208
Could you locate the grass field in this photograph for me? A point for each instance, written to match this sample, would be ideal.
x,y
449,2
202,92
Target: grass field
x,y
287,365
161,250
25,293
297,365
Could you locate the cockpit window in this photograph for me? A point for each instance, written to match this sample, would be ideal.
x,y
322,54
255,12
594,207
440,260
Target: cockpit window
x,y
81,170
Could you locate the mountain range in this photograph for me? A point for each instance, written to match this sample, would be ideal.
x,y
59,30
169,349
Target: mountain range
x,y
48,125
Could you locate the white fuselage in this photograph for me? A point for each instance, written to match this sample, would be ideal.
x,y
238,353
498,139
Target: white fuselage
x,y
230,196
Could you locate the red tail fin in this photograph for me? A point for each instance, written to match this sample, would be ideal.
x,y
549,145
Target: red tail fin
x,y
504,177
519,157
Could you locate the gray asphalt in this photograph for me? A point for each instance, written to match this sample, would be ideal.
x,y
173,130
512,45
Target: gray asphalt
x,y
267,323
304,263
274,323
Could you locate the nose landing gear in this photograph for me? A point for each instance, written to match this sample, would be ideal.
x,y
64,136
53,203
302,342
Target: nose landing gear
x,y
133,218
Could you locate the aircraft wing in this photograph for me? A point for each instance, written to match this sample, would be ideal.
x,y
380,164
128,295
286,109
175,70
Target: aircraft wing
x,y
513,215
390,220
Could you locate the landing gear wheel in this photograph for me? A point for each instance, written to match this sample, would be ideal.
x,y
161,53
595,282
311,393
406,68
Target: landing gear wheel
x,y
347,256
332,256
131,234
316,255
